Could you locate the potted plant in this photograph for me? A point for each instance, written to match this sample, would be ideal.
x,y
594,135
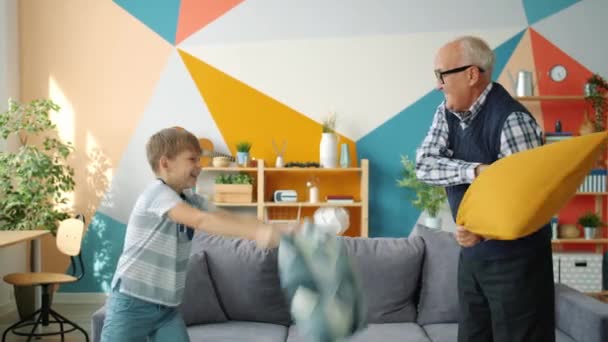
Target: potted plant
x,y
35,178
429,198
590,222
233,188
595,93
242,152
328,148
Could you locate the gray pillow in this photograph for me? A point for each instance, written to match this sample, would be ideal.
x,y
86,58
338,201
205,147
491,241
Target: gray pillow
x,y
389,270
200,304
246,279
439,290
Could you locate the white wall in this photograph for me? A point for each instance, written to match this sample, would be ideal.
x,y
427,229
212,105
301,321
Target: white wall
x,y
12,259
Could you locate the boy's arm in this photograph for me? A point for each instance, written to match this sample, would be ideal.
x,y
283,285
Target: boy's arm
x,y
224,223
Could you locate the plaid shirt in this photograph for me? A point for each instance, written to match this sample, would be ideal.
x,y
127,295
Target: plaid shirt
x,y
434,163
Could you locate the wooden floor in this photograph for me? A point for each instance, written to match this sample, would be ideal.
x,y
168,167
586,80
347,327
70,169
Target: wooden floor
x,y
79,313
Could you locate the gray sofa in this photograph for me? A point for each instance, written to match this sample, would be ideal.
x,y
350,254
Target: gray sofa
x,y
233,293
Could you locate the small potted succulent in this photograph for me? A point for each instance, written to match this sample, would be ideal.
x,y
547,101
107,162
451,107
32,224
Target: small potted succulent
x,y
590,222
242,152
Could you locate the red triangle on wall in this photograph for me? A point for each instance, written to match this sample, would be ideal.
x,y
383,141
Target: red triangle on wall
x,y
196,14
569,113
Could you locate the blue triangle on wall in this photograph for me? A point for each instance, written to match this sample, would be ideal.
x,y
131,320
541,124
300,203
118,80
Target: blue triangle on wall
x,y
537,10
390,211
160,16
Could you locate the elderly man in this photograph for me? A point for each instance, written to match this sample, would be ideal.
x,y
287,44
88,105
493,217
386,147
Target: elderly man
x,y
505,288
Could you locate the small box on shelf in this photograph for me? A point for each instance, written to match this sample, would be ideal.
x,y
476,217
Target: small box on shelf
x,y
233,193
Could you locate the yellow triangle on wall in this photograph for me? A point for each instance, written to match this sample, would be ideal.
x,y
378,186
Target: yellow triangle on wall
x,y
244,113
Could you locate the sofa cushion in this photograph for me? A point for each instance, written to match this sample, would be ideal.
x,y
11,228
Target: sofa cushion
x,y
562,337
439,285
443,332
580,316
245,277
200,304
324,293
389,269
448,332
388,332
517,195
237,331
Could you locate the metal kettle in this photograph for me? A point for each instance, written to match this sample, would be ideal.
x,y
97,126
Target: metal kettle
x,y
524,85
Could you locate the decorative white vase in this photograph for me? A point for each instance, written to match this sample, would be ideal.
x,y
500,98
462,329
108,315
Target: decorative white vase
x,y
432,222
328,150
589,233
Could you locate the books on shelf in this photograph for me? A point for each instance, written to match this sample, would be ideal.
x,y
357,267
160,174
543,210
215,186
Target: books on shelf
x,y
595,181
557,136
339,199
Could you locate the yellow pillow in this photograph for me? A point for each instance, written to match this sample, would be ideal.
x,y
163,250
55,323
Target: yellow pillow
x,y
517,195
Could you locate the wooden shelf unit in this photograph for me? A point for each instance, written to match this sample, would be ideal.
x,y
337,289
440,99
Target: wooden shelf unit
x,y
580,240
551,98
267,178
598,243
599,196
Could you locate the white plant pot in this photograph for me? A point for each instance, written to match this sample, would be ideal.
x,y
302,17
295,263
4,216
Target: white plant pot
x,y
589,233
242,158
432,222
328,150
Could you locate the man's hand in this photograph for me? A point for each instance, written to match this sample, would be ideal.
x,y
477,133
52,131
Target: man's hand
x,y
479,169
466,238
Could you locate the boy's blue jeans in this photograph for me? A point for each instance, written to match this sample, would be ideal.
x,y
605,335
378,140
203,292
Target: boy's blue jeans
x,y
130,319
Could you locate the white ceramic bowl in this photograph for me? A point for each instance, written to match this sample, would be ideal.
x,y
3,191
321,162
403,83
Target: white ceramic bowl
x,y
220,161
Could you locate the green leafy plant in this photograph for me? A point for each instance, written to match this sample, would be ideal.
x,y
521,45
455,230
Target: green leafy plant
x,y
597,97
35,178
591,220
243,146
329,124
428,197
227,178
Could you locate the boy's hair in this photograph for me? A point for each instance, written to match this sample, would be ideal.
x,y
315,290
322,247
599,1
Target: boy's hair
x,y
170,142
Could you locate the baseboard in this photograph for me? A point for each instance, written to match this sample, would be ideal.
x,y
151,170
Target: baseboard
x,y
80,298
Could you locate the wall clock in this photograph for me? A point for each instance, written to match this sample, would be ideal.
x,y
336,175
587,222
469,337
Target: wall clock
x,y
558,73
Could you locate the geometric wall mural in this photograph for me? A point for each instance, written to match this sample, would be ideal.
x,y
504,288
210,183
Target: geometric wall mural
x,y
258,69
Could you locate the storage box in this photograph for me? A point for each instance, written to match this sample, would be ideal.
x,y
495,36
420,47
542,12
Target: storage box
x,y
233,193
556,268
582,271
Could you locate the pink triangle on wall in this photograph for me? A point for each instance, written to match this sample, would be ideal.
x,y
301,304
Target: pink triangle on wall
x,y
196,14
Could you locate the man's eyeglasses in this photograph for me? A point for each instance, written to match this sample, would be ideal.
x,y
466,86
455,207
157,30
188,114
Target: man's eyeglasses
x,y
439,74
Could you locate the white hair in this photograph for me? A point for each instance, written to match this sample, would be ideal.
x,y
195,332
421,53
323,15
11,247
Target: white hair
x,y
477,52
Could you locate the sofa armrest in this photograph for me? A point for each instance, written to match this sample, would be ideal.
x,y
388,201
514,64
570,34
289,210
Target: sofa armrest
x,y
97,324
581,317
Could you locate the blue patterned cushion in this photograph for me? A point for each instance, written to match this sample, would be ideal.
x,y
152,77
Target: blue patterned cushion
x,y
322,289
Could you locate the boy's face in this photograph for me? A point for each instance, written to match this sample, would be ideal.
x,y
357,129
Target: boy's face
x,y
183,170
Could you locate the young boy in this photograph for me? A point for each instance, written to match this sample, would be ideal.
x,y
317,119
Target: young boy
x,y
150,276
